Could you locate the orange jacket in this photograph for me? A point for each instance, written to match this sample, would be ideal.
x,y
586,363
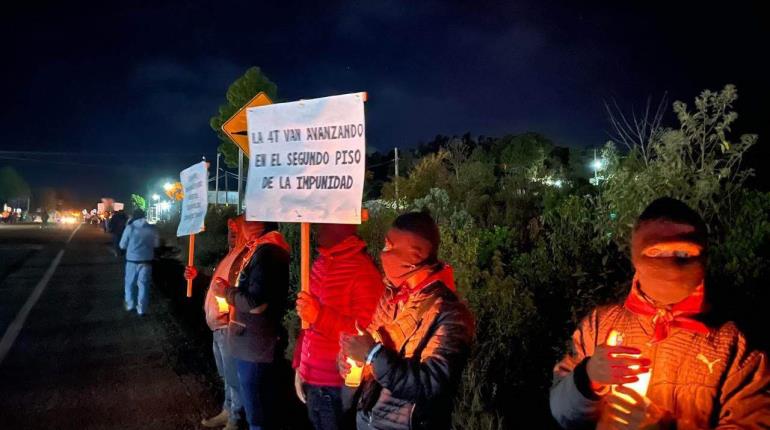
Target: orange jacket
x,y
699,380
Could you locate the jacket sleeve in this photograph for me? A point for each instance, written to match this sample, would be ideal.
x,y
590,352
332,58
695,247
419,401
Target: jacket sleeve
x,y
266,274
442,363
365,293
573,404
745,397
124,238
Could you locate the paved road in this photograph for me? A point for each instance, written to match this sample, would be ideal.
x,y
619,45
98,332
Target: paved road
x,y
80,361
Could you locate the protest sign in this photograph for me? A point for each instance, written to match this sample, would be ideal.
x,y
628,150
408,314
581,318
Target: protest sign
x,y
195,202
307,160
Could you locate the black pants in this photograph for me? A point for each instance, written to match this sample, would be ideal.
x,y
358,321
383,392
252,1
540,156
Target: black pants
x,y
324,407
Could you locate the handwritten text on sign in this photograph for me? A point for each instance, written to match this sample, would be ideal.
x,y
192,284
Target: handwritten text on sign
x,y
307,160
195,202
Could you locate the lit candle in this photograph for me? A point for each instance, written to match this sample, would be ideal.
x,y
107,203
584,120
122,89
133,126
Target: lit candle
x,y
222,304
353,378
615,338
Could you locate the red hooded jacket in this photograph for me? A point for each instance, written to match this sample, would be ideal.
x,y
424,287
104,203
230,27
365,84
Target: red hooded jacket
x,y
348,286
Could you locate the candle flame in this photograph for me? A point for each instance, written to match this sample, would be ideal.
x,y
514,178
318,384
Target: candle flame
x,y
222,305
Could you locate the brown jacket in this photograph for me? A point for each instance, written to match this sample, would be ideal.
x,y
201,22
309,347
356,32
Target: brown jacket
x,y
700,381
414,377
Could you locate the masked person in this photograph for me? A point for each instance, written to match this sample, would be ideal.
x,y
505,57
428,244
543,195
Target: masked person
x,y
139,241
345,287
417,345
216,310
652,362
258,303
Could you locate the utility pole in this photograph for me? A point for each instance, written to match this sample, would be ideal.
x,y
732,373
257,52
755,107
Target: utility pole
x,y
398,206
240,180
227,191
216,181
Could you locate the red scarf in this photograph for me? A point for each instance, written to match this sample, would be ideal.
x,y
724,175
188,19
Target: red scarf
x,y
679,315
272,237
416,283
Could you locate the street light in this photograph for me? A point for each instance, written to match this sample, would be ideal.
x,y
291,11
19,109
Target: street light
x,y
597,165
155,197
167,186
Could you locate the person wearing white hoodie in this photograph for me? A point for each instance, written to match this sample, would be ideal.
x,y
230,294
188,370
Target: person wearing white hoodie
x,y
139,241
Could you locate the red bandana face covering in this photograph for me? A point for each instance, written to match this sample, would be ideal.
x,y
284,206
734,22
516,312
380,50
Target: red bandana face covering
x,y
664,319
404,255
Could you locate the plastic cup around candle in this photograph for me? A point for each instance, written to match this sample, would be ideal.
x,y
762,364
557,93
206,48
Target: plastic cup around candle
x,y
222,304
353,378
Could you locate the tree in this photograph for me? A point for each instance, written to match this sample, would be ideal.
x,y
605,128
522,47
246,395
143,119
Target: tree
x,y
139,202
12,185
238,94
698,163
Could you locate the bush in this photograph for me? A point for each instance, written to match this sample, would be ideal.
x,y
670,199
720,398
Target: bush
x,y
534,248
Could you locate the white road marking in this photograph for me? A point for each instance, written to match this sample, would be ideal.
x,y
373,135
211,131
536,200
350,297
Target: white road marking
x,y
73,234
18,323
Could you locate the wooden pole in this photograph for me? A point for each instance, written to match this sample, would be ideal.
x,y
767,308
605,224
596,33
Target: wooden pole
x,y
240,181
305,261
190,262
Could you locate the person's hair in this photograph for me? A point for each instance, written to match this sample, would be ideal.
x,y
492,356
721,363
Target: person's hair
x,y
270,226
423,225
671,209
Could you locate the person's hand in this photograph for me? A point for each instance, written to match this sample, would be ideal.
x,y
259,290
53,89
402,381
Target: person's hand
x,y
342,365
612,365
625,409
308,307
298,386
357,346
219,285
190,272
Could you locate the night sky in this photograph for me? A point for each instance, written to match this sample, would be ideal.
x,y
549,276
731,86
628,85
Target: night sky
x,y
122,92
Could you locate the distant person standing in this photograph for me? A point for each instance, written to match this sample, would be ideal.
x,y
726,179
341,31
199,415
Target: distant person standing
x,y
44,218
139,240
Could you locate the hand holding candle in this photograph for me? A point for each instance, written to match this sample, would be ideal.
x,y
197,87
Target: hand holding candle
x,y
615,338
353,352
626,409
616,365
357,346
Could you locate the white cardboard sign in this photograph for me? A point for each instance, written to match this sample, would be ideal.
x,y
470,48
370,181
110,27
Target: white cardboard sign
x,y
195,202
307,160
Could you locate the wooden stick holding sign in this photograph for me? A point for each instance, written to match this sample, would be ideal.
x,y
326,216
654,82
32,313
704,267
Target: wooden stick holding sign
x,y
194,181
190,263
